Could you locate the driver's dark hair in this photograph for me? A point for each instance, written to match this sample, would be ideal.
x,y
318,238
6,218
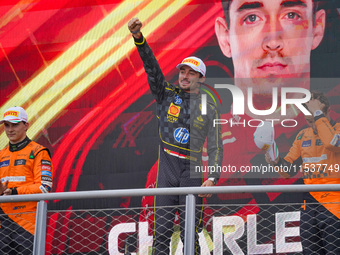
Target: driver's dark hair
x,y
322,99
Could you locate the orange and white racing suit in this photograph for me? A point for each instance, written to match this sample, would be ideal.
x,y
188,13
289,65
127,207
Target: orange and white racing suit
x,y
28,168
320,155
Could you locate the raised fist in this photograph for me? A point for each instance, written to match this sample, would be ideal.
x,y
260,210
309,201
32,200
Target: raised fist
x,y
134,26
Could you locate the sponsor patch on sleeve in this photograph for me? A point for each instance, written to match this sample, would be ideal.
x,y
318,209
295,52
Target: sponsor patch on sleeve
x,y
47,173
49,184
336,140
48,188
43,189
46,162
44,167
46,178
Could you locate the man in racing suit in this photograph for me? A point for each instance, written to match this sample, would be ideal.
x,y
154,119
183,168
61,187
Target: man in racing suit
x,y
25,168
182,130
318,147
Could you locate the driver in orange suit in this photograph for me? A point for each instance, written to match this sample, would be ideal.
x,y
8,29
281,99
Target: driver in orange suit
x,y
318,148
25,168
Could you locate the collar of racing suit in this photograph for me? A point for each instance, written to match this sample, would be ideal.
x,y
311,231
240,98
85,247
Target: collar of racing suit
x,y
189,95
19,146
332,122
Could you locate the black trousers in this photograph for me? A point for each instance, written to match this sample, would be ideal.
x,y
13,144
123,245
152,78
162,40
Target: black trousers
x,y
13,238
173,172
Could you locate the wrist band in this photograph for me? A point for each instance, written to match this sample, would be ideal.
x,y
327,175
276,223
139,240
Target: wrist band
x,y
135,32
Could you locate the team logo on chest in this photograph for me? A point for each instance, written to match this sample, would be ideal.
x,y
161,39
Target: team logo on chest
x,y
4,163
318,142
307,143
173,112
181,135
178,100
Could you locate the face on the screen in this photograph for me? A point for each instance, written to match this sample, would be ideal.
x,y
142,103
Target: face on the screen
x,y
270,40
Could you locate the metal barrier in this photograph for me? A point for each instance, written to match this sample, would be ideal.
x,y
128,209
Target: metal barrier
x,y
226,225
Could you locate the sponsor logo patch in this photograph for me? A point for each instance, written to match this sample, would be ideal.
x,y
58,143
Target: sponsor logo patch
x,y
177,100
43,189
4,163
199,118
11,113
307,143
47,173
49,184
47,188
318,142
20,162
300,136
173,112
336,140
46,162
325,195
44,167
46,178
314,159
192,61
181,135
14,179
19,207
265,147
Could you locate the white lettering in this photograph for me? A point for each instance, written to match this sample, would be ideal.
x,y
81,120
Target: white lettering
x,y
238,97
262,112
115,232
144,240
253,247
237,123
235,222
250,123
295,101
227,229
260,124
238,100
292,120
219,121
282,232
